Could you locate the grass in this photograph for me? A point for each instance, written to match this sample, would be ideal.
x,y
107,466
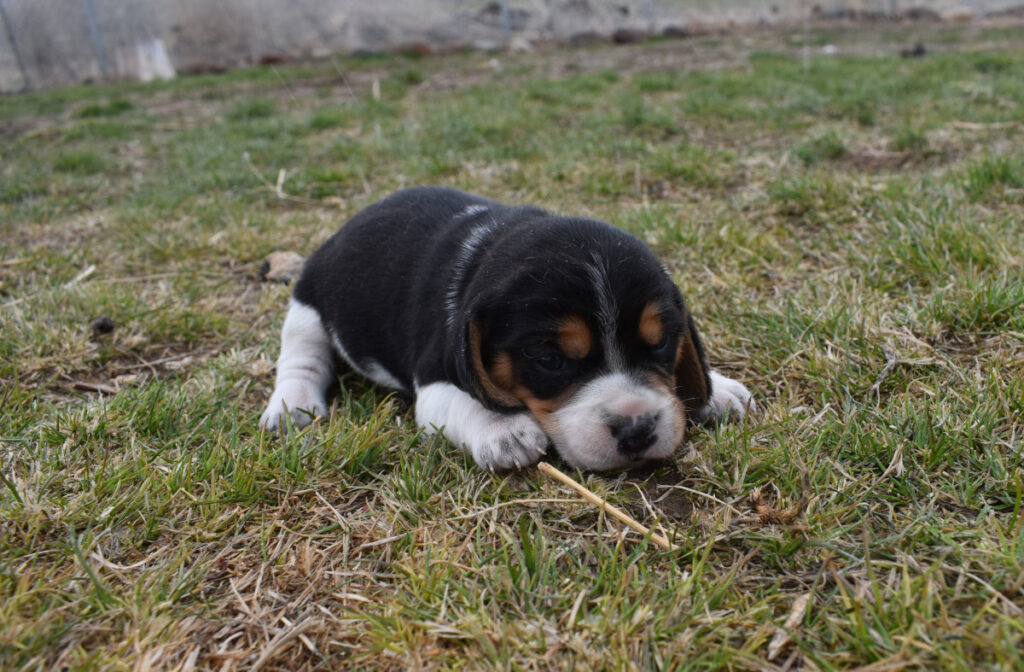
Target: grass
x,y
848,233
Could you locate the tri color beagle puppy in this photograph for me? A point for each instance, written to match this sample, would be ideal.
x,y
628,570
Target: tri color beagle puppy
x,y
514,328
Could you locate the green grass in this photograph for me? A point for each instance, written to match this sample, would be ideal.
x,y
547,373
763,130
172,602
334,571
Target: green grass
x,y
826,147
113,108
79,163
994,173
848,234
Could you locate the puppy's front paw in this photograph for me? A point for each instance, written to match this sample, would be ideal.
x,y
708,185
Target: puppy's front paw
x,y
510,442
302,400
730,400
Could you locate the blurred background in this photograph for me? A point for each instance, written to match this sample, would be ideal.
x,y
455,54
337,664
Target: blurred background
x,y
61,42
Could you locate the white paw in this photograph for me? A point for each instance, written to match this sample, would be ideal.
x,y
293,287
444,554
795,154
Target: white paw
x,y
301,400
730,400
510,442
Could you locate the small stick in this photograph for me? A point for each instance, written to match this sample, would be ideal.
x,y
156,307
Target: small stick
x,y
612,510
93,387
85,273
974,126
279,187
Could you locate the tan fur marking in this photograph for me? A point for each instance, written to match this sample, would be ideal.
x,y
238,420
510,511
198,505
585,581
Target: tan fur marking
x,y
488,385
690,383
651,328
659,382
574,337
502,375
503,372
543,409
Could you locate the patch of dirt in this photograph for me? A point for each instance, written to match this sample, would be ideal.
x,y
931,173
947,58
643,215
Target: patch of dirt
x,y
660,489
110,362
9,130
128,368
957,345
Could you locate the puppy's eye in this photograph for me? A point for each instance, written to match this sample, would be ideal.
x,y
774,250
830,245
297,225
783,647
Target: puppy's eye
x,y
550,362
661,347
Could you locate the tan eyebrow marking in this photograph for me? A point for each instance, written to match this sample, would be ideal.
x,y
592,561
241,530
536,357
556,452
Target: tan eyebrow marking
x,y
651,328
488,386
574,337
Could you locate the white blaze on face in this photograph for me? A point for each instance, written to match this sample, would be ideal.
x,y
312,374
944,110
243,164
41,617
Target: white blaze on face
x,y
580,429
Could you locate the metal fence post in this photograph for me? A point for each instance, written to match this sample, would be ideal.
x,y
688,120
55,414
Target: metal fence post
x,y
94,32
506,21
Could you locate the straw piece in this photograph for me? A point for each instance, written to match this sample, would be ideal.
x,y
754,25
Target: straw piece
x,y
610,509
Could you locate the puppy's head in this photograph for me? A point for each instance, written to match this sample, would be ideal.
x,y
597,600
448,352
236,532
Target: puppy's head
x,y
579,323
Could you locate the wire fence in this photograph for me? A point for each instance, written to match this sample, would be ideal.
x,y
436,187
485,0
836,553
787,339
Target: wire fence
x,y
58,42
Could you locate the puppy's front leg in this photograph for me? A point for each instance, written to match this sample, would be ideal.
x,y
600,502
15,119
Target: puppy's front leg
x,y
497,441
730,400
305,369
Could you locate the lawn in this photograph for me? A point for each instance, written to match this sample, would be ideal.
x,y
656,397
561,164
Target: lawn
x,y
848,229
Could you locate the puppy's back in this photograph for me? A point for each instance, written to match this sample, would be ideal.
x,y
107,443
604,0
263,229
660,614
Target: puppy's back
x,y
380,280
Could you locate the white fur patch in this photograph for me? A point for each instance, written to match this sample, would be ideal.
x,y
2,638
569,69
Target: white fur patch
x,y
467,249
378,374
368,368
583,437
470,210
730,399
304,370
497,441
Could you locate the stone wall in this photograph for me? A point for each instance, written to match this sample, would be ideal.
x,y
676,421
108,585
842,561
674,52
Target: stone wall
x,y
58,44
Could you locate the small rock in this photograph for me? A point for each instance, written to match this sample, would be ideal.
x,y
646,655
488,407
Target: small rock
x,y
926,14
281,267
416,50
274,58
675,32
204,67
127,379
101,326
586,39
629,36
917,52
519,45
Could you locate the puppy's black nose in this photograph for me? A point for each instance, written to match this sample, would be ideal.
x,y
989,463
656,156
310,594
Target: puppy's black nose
x,y
635,434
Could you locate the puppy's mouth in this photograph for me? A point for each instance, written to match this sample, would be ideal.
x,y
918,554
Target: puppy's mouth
x,y
614,423
629,465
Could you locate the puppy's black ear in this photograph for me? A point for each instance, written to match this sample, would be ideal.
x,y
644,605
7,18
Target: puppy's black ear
x,y
692,382
472,367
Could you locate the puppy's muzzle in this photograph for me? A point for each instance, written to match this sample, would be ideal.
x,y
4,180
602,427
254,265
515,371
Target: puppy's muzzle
x,y
634,434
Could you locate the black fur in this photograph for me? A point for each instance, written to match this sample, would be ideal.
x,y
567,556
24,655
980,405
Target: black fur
x,y
396,287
